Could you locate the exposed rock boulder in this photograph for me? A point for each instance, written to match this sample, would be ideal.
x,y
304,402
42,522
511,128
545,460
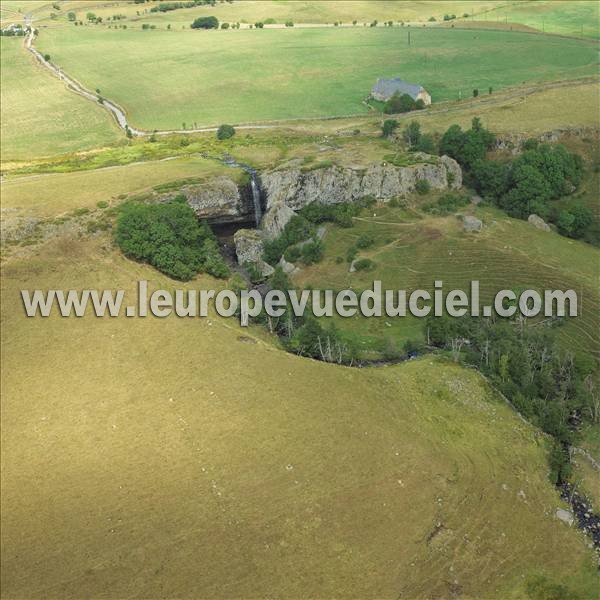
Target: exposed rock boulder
x,y
288,267
275,219
295,188
472,223
248,245
249,249
565,516
538,222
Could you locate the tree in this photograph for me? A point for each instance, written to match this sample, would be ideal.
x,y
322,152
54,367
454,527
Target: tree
x,y
399,103
574,221
388,127
412,134
72,16
225,132
426,144
205,23
490,178
259,25
47,57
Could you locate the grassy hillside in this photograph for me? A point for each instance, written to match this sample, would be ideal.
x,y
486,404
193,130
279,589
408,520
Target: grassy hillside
x,y
195,72
52,194
40,117
412,251
194,459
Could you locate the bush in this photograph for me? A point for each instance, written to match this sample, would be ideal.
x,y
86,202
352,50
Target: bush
x,y
312,252
224,25
225,132
169,237
446,204
364,264
422,187
47,57
102,204
365,240
574,221
298,229
340,214
205,23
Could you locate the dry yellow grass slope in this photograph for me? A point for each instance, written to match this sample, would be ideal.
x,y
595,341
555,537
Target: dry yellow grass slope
x,y
175,458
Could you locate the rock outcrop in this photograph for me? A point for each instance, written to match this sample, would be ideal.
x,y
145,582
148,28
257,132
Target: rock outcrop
x,y
538,222
249,249
217,200
289,190
472,223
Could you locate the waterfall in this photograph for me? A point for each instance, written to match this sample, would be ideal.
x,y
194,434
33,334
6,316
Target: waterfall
x,y
255,198
254,185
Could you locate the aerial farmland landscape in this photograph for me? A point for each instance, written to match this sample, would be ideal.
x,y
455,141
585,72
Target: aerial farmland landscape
x,y
176,175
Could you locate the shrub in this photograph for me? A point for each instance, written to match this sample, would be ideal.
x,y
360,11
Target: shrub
x,y
446,204
298,229
225,132
47,57
224,25
102,204
426,144
312,252
412,134
422,187
364,264
292,254
169,237
365,240
205,23
574,221
289,23
475,93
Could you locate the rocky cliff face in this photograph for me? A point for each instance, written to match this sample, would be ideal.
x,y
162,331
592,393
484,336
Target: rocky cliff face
x,y
293,189
218,200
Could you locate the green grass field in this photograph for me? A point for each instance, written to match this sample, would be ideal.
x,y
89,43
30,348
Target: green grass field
x,y
283,74
191,458
40,117
299,11
564,17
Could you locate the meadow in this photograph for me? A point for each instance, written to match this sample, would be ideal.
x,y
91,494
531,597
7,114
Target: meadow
x,y
173,450
299,11
39,116
274,74
413,250
563,17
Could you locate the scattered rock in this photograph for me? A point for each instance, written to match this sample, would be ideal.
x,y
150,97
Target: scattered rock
x,y
288,267
476,199
472,223
565,516
538,222
248,245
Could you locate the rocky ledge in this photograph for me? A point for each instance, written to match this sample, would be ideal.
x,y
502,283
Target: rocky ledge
x,y
289,190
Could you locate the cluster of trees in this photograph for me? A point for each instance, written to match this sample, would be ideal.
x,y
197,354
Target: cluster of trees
x,y
467,147
14,31
401,103
416,140
170,238
526,184
168,6
205,23
551,387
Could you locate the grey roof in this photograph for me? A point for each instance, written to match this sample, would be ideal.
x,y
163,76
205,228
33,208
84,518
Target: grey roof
x,y
388,87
